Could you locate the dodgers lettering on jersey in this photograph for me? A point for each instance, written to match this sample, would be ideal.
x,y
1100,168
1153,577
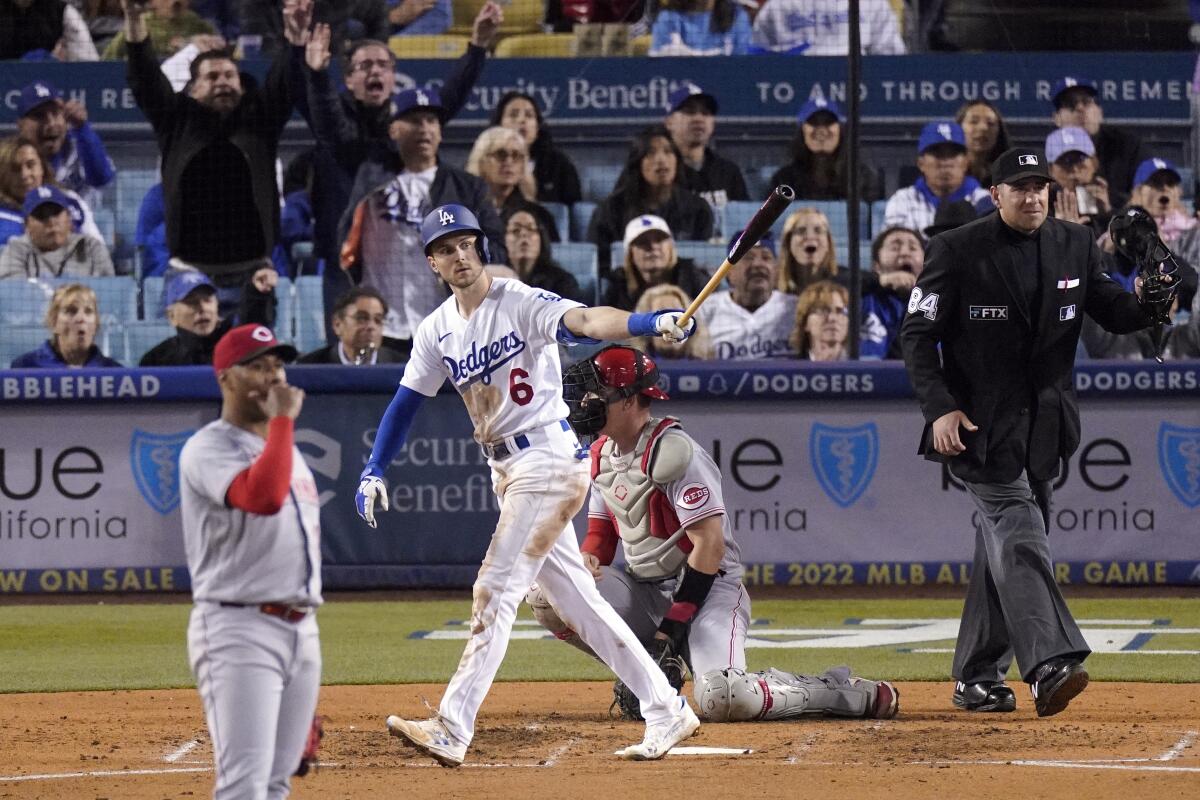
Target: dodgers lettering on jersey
x,y
503,360
737,333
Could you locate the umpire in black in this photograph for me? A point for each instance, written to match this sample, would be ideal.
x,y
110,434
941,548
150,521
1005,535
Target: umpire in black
x,y
1004,298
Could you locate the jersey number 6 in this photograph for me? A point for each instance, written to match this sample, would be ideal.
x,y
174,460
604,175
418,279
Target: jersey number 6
x,y
521,393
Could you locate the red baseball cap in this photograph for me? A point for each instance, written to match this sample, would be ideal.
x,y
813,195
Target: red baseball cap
x,y
246,343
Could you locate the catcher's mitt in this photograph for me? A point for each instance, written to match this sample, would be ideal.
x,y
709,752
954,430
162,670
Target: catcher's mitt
x,y
308,759
662,652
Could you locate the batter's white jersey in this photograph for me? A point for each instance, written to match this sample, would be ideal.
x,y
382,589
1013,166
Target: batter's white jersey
x,y
737,333
503,360
235,556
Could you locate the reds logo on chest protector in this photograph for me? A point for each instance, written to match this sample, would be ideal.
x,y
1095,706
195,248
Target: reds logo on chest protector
x,y
654,543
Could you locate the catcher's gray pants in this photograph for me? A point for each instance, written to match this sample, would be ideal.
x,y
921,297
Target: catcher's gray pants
x,y
1013,603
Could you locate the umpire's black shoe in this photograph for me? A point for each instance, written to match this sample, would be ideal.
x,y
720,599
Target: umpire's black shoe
x,y
1056,683
984,696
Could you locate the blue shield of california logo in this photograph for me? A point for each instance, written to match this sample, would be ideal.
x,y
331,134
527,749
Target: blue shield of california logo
x,y
844,459
154,459
1179,460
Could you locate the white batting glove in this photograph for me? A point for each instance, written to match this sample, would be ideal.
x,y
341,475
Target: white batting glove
x,y
667,324
371,490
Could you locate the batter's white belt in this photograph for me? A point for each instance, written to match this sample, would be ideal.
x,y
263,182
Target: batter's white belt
x,y
503,448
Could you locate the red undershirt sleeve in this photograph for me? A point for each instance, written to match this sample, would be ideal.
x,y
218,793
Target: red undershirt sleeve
x,y
601,539
263,487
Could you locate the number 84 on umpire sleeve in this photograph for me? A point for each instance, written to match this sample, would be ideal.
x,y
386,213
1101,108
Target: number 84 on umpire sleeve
x,y
925,303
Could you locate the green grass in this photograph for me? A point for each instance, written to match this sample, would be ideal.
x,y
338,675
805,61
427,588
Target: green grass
x,y
84,647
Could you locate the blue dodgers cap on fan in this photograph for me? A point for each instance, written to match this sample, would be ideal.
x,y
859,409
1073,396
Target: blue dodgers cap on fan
x,y
767,241
184,283
1068,140
817,105
1147,168
1072,82
41,195
36,94
408,99
686,92
941,131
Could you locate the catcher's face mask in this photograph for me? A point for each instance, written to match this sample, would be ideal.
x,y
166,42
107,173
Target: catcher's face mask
x,y
613,374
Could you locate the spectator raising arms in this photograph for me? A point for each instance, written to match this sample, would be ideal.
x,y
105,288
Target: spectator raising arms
x,y
700,28
822,322
499,157
651,260
358,317
753,319
350,20
817,170
650,183
808,251
61,133
942,160
44,29
73,320
554,176
822,28
897,255
172,25
528,245
50,248
691,122
23,168
986,136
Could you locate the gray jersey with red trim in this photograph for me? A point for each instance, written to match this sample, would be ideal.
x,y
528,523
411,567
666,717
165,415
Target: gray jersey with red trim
x,y
694,495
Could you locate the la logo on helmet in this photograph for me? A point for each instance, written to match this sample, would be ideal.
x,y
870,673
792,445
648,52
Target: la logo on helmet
x,y
445,217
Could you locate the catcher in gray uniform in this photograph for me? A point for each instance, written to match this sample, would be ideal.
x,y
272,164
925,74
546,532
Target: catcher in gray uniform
x,y
657,494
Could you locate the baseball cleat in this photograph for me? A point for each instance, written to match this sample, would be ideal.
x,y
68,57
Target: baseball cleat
x,y
887,701
1055,684
431,738
984,696
662,737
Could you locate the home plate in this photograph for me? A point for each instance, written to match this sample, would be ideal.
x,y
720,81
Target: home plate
x,y
703,751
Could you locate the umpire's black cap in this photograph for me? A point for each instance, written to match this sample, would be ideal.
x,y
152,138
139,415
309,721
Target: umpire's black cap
x,y
1019,163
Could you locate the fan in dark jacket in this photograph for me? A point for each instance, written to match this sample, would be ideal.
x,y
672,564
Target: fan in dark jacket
x,y
528,245
818,167
348,19
219,141
357,319
554,176
651,182
191,306
651,260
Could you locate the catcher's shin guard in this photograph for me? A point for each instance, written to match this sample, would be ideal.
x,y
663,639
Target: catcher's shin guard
x,y
548,618
731,695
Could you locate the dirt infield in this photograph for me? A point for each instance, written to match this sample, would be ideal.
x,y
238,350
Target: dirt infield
x,y
1118,740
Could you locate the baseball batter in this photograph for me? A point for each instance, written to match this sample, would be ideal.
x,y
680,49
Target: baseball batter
x,y
497,341
252,532
658,493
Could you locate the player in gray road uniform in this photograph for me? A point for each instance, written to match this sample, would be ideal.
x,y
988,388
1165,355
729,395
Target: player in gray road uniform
x,y
252,532
658,493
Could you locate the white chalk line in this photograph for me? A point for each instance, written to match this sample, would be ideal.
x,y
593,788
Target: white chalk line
x,y
1184,743
1018,762
117,773
181,751
559,752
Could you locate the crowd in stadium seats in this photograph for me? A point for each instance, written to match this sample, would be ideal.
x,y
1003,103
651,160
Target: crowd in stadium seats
x,y
225,244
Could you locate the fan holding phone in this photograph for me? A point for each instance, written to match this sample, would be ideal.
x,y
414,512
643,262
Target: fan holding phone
x,y
1081,194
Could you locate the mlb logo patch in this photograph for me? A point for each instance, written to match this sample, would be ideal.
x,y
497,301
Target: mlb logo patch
x,y
1066,313
1026,161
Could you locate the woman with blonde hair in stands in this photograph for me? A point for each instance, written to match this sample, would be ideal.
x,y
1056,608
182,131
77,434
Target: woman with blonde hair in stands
x,y
822,322
23,168
499,156
73,319
659,298
806,251
651,260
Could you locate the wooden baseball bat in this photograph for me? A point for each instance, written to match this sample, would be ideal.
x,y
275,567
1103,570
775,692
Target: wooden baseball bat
x,y
756,228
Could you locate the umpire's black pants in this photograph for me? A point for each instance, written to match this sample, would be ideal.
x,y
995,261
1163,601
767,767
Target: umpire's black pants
x,y
1013,604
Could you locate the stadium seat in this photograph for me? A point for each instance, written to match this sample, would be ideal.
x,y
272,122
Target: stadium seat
x,y
106,221
310,314
579,259
537,45
140,336
18,340
23,302
562,219
1187,178
285,310
640,45
115,296
440,46
707,256
131,186
520,16
598,180
581,216
738,213
877,220
152,292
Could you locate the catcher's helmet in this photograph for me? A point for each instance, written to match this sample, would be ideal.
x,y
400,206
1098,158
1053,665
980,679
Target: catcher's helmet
x,y
616,372
1135,235
452,218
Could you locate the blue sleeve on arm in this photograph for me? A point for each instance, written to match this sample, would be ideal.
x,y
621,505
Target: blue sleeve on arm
x,y
98,169
393,430
566,336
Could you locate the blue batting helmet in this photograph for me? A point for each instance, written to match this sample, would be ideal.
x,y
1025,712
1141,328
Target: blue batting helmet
x,y
453,218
